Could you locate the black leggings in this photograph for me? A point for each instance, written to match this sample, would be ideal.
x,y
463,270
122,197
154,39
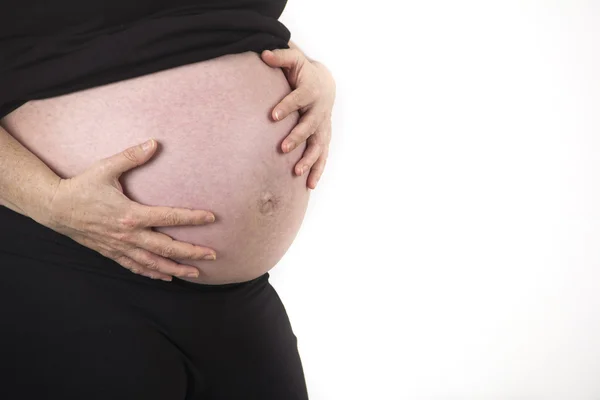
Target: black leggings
x,y
76,325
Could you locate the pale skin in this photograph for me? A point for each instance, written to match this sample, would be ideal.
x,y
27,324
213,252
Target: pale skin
x,y
91,208
313,96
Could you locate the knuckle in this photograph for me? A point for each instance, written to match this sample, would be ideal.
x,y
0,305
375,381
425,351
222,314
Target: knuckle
x,y
179,273
106,254
314,124
143,242
131,155
321,164
123,236
297,57
315,91
298,134
151,264
297,97
128,221
114,255
172,218
320,140
168,252
324,116
124,261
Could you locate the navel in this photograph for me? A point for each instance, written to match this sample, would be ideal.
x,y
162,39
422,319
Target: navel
x,y
268,203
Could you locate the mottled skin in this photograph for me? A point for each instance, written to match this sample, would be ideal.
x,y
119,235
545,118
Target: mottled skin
x,y
219,150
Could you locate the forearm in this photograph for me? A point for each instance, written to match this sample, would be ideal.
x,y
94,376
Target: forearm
x,y
26,183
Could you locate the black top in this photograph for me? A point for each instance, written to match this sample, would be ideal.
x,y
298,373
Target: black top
x,y
49,48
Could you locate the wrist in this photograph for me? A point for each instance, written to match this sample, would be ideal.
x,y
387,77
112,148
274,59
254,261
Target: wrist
x,y
41,210
27,184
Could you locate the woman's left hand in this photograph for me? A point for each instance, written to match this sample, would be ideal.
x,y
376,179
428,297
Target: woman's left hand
x,y
313,96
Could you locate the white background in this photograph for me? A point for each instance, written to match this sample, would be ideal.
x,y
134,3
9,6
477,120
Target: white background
x,y
452,247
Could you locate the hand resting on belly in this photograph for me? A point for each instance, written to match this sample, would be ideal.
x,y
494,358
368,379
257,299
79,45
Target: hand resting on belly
x,y
218,151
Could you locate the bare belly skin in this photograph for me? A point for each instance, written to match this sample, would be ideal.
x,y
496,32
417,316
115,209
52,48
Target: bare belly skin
x,y
218,150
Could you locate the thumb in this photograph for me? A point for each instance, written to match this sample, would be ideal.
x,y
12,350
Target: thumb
x,y
283,58
128,159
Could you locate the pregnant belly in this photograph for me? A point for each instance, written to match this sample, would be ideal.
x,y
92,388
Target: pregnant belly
x,y
218,150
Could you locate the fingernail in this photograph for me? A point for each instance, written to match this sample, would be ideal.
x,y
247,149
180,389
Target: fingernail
x,y
147,145
167,279
304,169
210,257
290,146
210,218
194,274
278,114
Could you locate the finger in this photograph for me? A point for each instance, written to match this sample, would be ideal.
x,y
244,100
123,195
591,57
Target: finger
x,y
316,172
132,157
298,99
156,263
149,216
283,58
307,126
164,246
311,155
153,274
136,268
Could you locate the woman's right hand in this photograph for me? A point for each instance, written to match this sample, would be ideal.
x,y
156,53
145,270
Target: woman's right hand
x,y
91,209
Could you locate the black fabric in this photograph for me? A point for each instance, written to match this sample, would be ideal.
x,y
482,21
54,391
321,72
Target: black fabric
x,y
76,325
49,48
